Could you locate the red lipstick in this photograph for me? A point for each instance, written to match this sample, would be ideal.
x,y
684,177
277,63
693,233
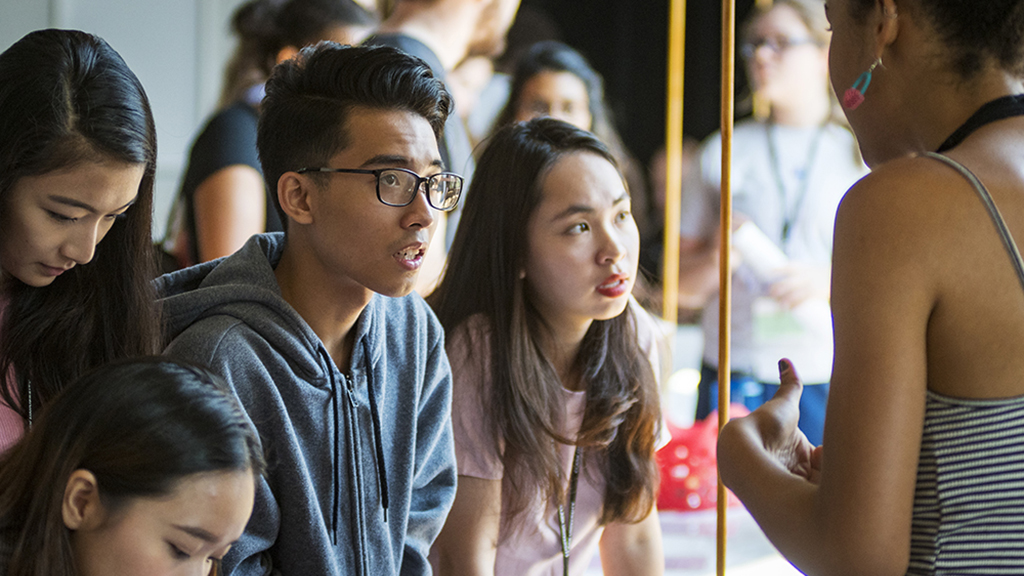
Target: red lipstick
x,y
614,286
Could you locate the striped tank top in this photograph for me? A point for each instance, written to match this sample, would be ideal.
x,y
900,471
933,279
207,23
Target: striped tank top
x,y
969,500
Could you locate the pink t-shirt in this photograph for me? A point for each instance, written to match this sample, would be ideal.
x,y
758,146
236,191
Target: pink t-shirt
x,y
12,427
535,548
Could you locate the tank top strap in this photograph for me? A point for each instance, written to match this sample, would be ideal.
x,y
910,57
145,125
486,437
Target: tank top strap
x,y
993,210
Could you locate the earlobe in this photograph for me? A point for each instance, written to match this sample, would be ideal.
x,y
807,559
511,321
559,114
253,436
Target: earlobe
x,y
294,193
81,506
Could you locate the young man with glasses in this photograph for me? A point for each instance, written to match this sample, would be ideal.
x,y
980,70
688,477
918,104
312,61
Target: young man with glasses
x,y
340,368
444,33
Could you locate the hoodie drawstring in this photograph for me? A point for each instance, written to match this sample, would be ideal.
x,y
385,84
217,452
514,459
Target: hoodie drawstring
x,y
382,473
334,448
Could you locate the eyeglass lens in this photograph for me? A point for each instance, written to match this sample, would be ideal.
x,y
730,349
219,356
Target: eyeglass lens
x,y
776,45
398,187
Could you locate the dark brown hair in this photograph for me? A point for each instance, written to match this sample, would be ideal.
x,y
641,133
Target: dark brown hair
x,y
140,426
974,31
303,119
554,56
67,98
264,27
523,405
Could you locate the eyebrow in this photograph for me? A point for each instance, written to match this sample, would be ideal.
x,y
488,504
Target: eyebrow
x,y
395,159
79,204
585,208
198,533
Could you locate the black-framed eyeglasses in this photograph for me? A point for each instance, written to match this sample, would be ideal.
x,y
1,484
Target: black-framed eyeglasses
x,y
776,45
398,186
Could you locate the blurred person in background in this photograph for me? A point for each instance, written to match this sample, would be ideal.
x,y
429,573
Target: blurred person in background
x,y
223,200
789,173
552,79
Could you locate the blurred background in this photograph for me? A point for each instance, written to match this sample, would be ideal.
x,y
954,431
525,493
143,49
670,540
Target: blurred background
x,y
178,48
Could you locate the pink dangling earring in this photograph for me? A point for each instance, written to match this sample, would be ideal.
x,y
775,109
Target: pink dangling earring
x,y
854,95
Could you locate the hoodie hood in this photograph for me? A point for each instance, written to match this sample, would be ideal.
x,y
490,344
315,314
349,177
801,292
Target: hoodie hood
x,y
243,287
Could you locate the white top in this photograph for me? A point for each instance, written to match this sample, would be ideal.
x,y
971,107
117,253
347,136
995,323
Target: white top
x,y
763,332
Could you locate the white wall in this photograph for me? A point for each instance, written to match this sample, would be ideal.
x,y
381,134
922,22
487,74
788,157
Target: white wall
x,y
177,48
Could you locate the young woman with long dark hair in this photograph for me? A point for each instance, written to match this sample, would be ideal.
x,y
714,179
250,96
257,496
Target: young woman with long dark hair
x,y
144,466
555,407
77,158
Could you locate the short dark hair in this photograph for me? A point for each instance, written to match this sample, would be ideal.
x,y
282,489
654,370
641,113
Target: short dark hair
x,y
303,119
67,99
974,31
140,426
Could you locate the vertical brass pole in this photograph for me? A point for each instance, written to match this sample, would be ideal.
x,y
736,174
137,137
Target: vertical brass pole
x,y
725,264
673,159
762,109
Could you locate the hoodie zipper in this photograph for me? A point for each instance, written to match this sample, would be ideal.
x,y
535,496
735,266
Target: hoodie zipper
x,y
355,474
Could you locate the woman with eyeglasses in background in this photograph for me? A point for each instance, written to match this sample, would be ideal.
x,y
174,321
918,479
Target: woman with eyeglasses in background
x,y
789,172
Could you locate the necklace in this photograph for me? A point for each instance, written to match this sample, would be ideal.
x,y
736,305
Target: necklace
x,y
993,111
789,216
564,532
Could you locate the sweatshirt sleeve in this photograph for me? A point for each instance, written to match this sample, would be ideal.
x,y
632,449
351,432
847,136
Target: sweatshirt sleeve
x,y
250,555
433,489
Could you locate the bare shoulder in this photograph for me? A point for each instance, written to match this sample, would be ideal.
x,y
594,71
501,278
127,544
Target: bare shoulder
x,y
905,203
905,182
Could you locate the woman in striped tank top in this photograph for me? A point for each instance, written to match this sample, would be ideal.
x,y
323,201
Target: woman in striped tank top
x,y
922,469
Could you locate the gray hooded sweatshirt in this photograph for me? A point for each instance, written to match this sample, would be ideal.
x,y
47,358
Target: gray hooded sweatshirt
x,y
361,465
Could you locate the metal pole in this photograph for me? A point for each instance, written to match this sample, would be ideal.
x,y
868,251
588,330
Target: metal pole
x,y
673,159
725,264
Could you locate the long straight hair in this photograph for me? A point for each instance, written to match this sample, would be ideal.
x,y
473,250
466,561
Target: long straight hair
x,y
67,98
140,426
524,406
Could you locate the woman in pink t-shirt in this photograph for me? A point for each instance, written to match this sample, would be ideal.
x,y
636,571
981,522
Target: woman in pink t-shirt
x,y
77,158
555,408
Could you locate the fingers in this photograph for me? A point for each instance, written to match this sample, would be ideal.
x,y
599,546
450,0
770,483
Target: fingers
x,y
817,455
787,372
790,386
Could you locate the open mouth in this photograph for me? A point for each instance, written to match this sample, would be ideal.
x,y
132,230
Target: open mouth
x,y
411,257
614,286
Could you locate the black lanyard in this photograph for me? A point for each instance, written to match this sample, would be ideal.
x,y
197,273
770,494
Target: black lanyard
x,y
998,109
789,216
564,532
